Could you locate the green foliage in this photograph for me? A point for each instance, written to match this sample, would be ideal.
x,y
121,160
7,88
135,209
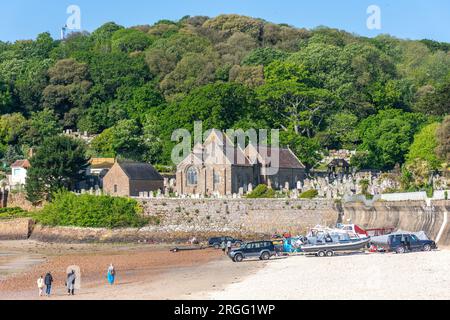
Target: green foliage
x,y
58,164
416,176
425,146
443,140
13,213
310,194
41,125
230,71
260,192
264,56
122,140
307,150
69,209
364,184
130,40
387,137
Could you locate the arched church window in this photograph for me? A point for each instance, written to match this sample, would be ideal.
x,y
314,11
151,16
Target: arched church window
x,y
192,176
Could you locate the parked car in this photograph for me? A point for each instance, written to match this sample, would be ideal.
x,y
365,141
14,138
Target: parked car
x,y
263,250
216,242
401,243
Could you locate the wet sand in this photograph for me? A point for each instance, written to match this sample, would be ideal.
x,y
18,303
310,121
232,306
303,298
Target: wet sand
x,y
143,271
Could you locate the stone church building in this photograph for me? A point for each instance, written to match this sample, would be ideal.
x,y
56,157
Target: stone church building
x,y
219,167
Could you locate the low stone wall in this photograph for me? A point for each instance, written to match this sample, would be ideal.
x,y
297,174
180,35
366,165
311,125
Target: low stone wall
x,y
17,229
181,219
254,216
18,200
146,235
405,215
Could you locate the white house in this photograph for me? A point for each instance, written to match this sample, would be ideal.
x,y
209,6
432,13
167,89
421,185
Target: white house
x,y
19,171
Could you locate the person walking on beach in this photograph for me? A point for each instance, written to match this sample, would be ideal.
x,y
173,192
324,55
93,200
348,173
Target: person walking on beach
x,y
70,283
224,247
40,284
48,280
111,274
229,247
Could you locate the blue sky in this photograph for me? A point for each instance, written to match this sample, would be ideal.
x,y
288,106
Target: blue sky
x,y
412,19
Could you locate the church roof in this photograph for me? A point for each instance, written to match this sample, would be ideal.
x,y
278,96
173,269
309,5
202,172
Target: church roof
x,y
21,164
140,171
287,159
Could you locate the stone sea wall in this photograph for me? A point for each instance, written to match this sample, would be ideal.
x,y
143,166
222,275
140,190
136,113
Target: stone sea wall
x,y
404,215
178,220
256,216
17,229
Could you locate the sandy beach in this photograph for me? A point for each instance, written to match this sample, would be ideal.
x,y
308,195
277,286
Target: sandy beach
x,y
421,275
152,272
143,271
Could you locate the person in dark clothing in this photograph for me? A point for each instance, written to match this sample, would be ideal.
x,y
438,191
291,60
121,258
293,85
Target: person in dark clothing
x,y
48,280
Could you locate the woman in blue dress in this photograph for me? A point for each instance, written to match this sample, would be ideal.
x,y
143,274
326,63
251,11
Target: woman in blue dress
x,y
111,274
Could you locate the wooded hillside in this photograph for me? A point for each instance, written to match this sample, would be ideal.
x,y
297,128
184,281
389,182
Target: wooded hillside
x,y
325,88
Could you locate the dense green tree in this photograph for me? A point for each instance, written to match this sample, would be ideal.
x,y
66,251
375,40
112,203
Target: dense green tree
x,y
57,164
69,87
130,40
264,56
286,103
230,71
425,146
113,70
307,150
6,101
12,128
434,100
340,131
387,137
124,140
41,125
103,35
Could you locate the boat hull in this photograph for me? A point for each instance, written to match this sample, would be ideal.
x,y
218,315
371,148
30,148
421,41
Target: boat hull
x,y
349,246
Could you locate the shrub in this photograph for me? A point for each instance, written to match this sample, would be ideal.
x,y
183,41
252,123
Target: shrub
x,y
69,209
261,191
12,213
310,194
430,191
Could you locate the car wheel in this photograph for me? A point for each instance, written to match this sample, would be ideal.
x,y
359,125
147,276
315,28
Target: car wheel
x,y
400,250
265,256
321,254
427,248
216,246
238,258
330,253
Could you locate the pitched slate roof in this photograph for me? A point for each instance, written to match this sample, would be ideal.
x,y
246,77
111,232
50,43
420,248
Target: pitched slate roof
x,y
140,171
287,158
21,164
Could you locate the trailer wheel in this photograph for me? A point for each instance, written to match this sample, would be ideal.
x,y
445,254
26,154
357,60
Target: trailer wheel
x,y
330,253
321,254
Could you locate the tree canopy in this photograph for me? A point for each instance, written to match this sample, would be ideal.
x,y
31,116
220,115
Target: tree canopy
x,y
323,88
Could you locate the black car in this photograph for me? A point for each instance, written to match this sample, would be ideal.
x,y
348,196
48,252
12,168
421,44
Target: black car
x,y
401,243
217,242
263,250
